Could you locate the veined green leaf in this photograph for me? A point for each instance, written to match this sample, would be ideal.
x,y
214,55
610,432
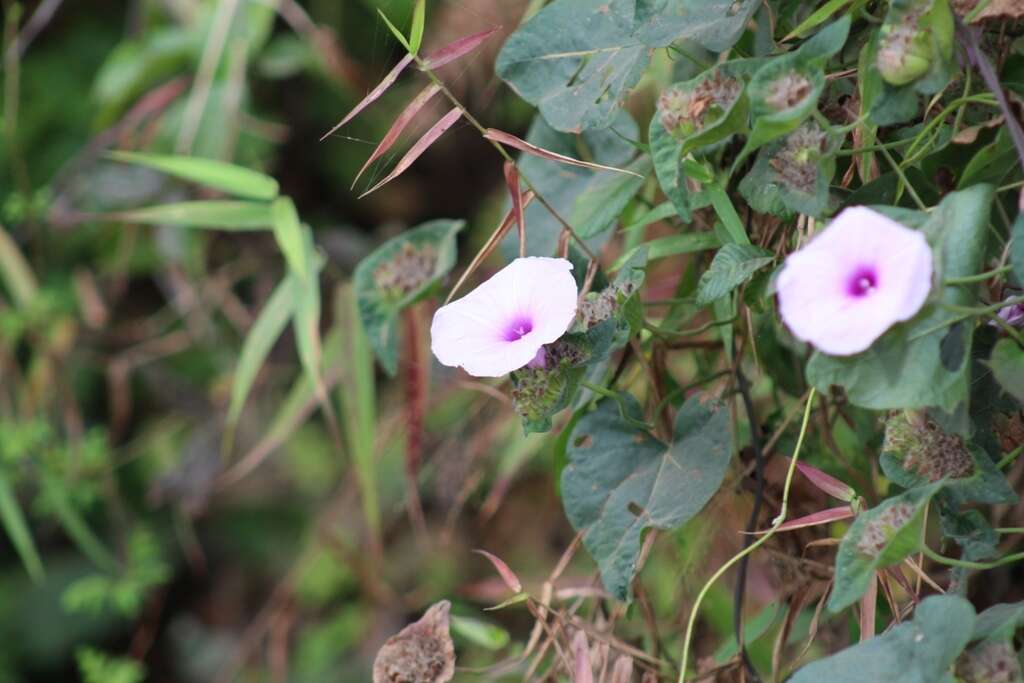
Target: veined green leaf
x,y
214,214
229,178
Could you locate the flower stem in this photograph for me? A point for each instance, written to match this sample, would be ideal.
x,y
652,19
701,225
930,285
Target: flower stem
x,y
979,277
968,564
776,523
1010,457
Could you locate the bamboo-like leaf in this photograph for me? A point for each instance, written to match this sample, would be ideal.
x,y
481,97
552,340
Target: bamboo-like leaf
x,y
582,671
261,338
419,18
512,180
18,531
399,125
358,396
524,146
214,214
15,271
457,49
399,36
306,299
373,94
229,178
436,131
288,233
827,483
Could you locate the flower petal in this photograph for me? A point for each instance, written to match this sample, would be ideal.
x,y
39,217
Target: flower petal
x,y
854,281
502,324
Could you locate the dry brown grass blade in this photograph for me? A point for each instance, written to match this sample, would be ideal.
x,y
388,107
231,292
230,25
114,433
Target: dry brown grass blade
x,y
868,607
403,120
372,96
488,248
421,146
516,193
510,140
456,49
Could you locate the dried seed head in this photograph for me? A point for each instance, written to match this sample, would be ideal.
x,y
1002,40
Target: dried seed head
x,y
990,662
690,111
796,162
406,271
787,91
596,308
904,51
422,652
1009,430
881,528
927,450
536,388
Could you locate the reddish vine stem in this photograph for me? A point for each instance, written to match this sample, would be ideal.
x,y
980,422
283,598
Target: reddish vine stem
x,y
969,37
416,379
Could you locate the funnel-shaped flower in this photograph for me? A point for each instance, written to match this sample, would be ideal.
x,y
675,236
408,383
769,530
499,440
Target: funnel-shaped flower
x,y
501,325
854,281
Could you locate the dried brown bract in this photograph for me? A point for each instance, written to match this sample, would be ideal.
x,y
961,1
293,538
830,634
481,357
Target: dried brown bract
x,y
422,652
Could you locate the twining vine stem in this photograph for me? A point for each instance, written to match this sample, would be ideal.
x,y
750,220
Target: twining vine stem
x,y
776,523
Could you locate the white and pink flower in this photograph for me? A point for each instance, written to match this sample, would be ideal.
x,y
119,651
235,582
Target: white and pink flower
x,y
503,324
854,281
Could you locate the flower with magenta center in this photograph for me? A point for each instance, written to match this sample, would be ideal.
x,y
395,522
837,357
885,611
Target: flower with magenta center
x,y
503,324
854,281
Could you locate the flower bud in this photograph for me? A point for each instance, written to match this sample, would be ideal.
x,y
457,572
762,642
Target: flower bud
x,y
904,53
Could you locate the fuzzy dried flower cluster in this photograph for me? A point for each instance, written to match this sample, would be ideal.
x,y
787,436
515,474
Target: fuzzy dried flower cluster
x,y
689,109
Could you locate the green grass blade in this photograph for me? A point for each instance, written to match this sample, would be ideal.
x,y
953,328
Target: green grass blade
x,y
15,271
261,338
396,33
18,531
419,18
214,214
229,178
358,405
288,233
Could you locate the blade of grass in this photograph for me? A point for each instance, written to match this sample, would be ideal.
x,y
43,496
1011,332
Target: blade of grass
x,y
373,95
399,126
419,19
229,178
399,36
359,407
15,271
75,526
214,214
288,233
510,140
261,339
18,531
514,190
421,145
457,49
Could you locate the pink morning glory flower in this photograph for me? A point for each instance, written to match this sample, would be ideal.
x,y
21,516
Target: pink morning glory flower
x,y
1013,314
854,281
503,324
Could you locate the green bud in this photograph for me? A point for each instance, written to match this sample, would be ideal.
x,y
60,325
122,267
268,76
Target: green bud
x,y
904,53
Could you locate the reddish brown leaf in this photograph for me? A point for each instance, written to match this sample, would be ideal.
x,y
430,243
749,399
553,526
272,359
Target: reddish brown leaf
x,y
456,49
524,146
507,575
422,652
814,519
868,604
486,250
436,131
827,483
623,670
407,115
581,659
373,95
512,180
